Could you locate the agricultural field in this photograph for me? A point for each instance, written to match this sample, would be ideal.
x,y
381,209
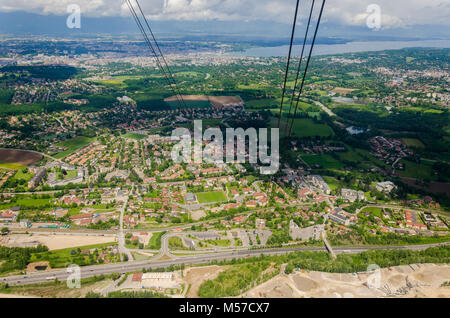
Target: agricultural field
x,y
11,166
324,161
13,159
208,197
413,143
415,170
73,145
305,127
134,136
28,202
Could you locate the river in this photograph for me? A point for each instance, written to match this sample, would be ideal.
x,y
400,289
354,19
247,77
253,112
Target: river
x,y
329,49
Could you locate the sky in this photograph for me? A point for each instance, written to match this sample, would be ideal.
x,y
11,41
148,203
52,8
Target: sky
x,y
394,13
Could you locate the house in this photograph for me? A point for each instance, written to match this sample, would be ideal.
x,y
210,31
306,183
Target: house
x,y
82,219
263,201
60,213
260,223
137,277
302,194
247,190
239,219
231,206
251,204
8,216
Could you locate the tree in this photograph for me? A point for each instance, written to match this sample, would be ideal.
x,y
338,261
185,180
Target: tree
x,y
4,230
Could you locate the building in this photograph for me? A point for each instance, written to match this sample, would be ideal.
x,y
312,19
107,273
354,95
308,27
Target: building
x,y
37,178
342,217
81,174
386,186
8,216
190,198
82,219
352,195
159,281
312,232
25,223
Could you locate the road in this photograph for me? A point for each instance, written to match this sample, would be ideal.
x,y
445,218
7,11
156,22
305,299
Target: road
x,y
121,235
132,266
325,109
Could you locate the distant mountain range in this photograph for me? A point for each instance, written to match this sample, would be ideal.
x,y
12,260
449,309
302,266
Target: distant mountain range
x,y
22,24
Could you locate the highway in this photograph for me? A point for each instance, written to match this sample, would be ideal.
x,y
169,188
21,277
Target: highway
x,y
105,269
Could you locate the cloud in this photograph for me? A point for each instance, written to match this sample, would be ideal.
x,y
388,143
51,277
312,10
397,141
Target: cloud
x,y
394,14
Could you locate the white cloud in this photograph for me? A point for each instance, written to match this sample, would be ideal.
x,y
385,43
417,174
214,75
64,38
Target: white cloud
x,y
395,13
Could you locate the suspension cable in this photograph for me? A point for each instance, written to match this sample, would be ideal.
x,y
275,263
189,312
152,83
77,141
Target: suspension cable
x,y
147,40
161,53
288,61
307,65
300,64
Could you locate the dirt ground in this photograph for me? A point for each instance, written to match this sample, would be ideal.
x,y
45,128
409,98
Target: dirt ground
x,y
15,296
59,291
224,100
188,98
342,91
197,215
215,100
195,276
56,242
423,280
22,157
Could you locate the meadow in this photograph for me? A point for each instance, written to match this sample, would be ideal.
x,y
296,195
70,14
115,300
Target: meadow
x,y
134,136
73,145
208,197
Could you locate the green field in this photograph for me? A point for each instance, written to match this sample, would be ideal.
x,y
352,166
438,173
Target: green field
x,y
417,171
325,161
332,182
65,257
374,211
222,243
134,136
73,145
28,203
413,142
20,175
208,197
11,166
155,241
304,127
70,174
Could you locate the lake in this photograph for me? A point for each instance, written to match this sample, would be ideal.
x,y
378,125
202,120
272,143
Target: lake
x,y
350,47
